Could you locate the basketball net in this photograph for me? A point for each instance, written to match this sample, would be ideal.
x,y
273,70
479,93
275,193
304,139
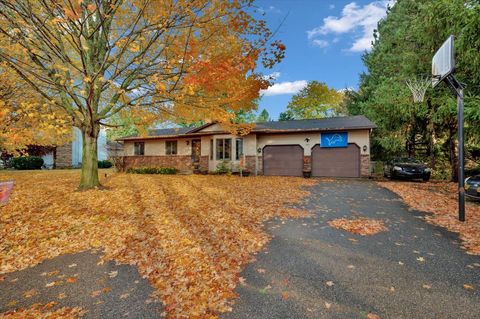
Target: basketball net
x,y
418,87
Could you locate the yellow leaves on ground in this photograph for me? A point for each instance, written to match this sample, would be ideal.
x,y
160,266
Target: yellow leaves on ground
x,y
38,311
440,199
189,235
360,226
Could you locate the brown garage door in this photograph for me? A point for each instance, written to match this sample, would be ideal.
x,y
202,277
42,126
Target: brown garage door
x,y
336,162
283,160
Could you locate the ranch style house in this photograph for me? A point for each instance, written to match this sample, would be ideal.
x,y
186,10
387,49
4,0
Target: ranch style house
x,y
329,147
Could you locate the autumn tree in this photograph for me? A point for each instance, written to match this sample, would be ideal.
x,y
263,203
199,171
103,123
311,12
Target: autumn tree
x,y
27,119
141,59
316,100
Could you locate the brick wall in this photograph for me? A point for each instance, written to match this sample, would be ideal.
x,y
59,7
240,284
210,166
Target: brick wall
x,y
181,162
307,163
204,163
250,163
365,165
64,156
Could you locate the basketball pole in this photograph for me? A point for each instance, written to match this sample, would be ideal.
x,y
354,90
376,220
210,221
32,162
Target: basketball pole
x,y
458,89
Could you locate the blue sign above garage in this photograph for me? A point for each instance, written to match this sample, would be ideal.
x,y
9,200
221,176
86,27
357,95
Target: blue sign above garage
x,y
335,139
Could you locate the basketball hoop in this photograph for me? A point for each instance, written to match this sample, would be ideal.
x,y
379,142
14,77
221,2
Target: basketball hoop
x,y
418,86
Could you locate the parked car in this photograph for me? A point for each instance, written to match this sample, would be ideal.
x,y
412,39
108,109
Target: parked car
x,y
408,168
472,186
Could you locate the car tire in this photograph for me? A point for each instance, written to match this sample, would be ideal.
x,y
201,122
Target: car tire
x,y
426,178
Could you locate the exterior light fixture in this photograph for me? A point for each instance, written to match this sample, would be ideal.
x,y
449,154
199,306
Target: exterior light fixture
x,y
188,142
307,139
364,148
259,150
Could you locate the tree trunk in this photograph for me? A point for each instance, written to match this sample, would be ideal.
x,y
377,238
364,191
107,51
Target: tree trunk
x,y
89,175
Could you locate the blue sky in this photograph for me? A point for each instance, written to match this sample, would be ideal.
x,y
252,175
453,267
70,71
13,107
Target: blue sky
x,y
325,40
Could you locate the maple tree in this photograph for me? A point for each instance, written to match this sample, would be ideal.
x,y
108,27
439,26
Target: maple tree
x,y
24,120
189,235
145,60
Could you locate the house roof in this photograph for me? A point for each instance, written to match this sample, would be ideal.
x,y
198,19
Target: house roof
x,y
326,124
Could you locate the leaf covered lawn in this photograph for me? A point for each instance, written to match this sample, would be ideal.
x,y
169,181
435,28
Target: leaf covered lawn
x,y
441,201
189,235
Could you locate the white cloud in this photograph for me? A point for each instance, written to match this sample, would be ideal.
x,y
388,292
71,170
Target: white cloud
x,y
332,6
320,43
356,19
284,88
272,76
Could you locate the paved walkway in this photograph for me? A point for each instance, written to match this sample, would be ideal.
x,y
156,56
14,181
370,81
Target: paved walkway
x,y
310,270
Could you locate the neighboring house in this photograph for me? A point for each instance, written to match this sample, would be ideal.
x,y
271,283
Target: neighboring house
x,y
337,147
70,155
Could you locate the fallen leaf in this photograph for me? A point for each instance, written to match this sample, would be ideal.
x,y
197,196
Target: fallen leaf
x,y
328,305
71,280
12,303
95,293
373,316
261,270
124,296
242,281
467,286
113,274
427,286
421,259
265,289
62,295
329,283
30,293
285,295
72,265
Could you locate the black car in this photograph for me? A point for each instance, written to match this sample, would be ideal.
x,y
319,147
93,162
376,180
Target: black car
x,y
406,167
472,187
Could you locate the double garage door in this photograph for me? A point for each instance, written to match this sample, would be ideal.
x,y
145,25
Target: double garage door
x,y
287,160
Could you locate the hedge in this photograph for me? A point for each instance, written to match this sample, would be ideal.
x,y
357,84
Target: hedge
x,y
152,170
27,162
104,164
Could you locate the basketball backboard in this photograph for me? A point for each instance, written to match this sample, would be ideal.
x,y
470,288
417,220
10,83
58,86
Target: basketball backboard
x,y
443,62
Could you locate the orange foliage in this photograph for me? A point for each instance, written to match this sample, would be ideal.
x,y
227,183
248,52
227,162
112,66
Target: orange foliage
x,y
38,311
190,235
26,119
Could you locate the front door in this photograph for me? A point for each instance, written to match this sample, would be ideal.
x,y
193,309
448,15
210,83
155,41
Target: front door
x,y
196,151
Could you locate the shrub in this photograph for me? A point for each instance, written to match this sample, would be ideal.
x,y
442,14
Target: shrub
x,y
222,168
27,162
104,164
153,170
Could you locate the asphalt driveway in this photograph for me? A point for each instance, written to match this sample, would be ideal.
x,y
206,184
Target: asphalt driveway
x,y
311,270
